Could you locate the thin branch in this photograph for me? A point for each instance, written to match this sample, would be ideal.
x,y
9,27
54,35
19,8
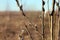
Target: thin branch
x,y
20,6
28,32
23,12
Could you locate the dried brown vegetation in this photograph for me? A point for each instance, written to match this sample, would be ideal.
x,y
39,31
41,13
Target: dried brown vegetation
x,y
14,26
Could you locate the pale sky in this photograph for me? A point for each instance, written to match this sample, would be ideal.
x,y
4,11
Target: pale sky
x,y
28,5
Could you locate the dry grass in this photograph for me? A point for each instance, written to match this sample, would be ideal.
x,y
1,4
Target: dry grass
x,y
13,26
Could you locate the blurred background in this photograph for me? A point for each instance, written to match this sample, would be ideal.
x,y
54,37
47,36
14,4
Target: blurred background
x,y
36,23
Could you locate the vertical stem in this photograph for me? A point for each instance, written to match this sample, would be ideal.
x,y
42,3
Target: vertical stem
x,y
43,18
58,19
52,20
50,26
55,27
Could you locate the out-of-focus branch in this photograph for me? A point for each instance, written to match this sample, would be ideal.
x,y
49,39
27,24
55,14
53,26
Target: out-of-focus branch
x,y
43,10
55,26
20,6
28,32
22,11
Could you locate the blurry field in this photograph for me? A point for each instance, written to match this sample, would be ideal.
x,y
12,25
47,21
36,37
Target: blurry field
x,y
12,24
